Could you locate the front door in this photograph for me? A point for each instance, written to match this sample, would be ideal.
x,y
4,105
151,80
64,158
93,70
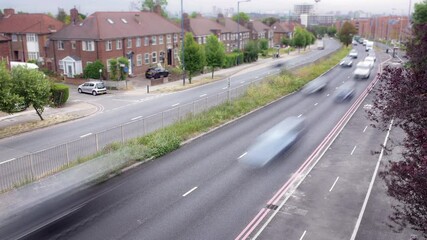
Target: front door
x,y
70,71
169,56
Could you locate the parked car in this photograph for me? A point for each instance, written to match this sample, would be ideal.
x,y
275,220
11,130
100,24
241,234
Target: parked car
x,y
363,70
353,53
345,92
156,72
93,87
347,62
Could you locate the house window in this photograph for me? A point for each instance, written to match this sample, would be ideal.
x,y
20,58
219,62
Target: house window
x,y
168,38
88,46
146,41
199,40
153,40
175,52
175,37
154,57
139,60
33,55
73,44
228,36
138,42
119,44
224,37
204,39
147,58
14,38
129,43
108,45
31,37
61,64
161,39
60,45
162,57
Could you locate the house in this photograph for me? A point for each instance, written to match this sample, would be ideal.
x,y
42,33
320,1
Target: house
x,y
224,28
259,30
29,34
281,30
145,38
5,49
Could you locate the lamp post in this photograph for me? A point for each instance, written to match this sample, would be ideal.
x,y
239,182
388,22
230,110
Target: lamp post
x,y
182,43
100,74
238,21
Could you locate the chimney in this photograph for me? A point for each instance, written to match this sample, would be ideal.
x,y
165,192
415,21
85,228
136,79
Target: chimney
x,y
186,22
220,19
157,9
74,15
8,12
250,26
137,18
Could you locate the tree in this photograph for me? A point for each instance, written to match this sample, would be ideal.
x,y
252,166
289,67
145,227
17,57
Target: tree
x,y
193,56
242,18
285,41
346,33
8,99
402,97
61,15
33,87
270,21
215,53
299,39
193,15
123,64
263,44
331,31
250,52
150,4
113,68
92,70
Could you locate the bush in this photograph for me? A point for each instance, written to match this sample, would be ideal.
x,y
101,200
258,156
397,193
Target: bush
x,y
92,70
60,94
231,59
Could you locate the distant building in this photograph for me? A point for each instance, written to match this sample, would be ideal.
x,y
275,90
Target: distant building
x,y
303,9
5,49
282,30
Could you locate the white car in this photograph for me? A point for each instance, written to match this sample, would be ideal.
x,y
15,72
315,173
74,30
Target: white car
x,y
363,70
92,87
353,53
370,60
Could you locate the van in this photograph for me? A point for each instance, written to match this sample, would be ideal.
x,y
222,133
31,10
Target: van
x,y
363,70
320,45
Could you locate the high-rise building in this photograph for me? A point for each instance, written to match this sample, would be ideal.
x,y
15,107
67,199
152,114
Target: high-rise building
x,y
303,9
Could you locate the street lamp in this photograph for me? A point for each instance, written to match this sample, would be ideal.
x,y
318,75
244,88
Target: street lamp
x,y
238,21
100,74
182,43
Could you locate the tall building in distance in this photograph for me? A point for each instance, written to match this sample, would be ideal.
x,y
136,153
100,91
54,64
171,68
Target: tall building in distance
x,y
305,8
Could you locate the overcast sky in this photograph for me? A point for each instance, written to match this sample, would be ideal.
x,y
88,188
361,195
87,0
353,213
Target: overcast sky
x,y
399,7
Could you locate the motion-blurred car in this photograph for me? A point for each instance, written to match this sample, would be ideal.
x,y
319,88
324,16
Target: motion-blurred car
x,y
156,72
345,92
315,85
347,62
363,70
370,60
93,87
274,141
353,53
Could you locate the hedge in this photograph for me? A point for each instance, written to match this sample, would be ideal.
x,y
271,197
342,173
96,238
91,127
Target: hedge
x,y
60,94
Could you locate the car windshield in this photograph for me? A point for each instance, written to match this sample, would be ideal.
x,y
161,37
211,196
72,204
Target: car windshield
x,y
100,85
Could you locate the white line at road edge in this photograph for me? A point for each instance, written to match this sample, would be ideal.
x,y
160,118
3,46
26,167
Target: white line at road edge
x,y
176,104
352,151
203,95
10,160
191,190
82,136
371,184
302,236
333,185
136,118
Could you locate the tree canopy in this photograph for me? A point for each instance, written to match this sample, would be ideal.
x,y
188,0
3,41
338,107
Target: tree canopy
x,y
193,56
215,53
299,39
346,33
242,18
150,4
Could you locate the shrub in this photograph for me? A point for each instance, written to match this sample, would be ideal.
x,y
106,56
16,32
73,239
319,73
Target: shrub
x,y
231,59
60,94
92,70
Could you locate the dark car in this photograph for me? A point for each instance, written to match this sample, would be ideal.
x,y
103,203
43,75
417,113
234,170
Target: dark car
x,y
315,86
345,92
156,72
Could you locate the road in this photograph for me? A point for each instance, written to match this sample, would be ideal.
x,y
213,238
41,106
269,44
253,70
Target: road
x,y
199,191
120,109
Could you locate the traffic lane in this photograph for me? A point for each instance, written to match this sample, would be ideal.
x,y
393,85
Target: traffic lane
x,y
326,205
259,123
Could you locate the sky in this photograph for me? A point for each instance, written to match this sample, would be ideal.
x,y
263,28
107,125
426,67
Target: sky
x,y
398,7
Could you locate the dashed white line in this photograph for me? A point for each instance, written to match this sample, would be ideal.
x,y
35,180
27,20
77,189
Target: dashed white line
x,y
242,82
353,150
136,118
327,95
333,185
349,76
82,136
242,155
256,77
190,191
316,104
365,129
176,104
300,115
302,236
203,95
224,88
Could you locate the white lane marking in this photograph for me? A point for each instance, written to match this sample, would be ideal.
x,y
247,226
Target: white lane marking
x,y
82,136
176,104
136,118
333,185
10,160
371,184
190,191
353,150
365,129
302,236
336,87
348,76
256,77
300,115
316,104
242,82
203,95
242,155
327,95
224,88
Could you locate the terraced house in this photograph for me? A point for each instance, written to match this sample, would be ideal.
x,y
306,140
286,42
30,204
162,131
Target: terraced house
x,y
28,33
145,38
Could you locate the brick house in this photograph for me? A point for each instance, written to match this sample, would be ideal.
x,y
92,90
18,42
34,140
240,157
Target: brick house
x,y
259,30
282,29
145,38
224,28
29,34
5,49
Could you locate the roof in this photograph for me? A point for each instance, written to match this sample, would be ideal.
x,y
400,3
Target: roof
x,y
201,26
232,26
259,26
112,25
283,27
29,23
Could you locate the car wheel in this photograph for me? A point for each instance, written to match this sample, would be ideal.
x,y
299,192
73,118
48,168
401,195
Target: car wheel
x,y
94,93
79,90
156,76
167,74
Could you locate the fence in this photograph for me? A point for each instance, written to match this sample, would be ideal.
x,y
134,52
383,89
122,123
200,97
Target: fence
x,y
34,166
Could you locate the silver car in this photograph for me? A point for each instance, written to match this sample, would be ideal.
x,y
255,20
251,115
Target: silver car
x,y
92,87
